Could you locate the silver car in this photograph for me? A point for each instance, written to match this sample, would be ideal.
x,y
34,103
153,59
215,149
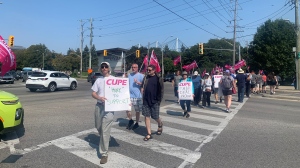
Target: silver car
x,y
7,78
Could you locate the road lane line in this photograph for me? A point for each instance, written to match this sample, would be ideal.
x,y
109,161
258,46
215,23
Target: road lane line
x,y
88,151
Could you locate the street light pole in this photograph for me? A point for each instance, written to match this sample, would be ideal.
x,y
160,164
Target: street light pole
x,y
43,61
162,57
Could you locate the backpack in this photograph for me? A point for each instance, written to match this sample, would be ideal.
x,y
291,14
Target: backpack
x,y
227,83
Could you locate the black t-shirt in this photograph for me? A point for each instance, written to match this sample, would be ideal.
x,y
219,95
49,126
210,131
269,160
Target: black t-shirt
x,y
151,91
241,79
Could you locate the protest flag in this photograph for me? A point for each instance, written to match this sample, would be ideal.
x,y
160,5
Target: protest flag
x,y
154,61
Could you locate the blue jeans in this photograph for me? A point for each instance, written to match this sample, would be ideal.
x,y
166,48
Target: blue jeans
x,y
241,91
188,105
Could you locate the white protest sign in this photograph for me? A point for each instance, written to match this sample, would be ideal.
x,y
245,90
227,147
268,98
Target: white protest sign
x,y
217,79
117,94
185,91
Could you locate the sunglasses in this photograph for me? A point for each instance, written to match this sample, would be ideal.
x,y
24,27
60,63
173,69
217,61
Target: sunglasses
x,y
133,67
149,70
104,66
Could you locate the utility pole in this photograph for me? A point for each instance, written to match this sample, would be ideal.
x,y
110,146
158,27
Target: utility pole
x,y
234,32
81,46
91,44
297,45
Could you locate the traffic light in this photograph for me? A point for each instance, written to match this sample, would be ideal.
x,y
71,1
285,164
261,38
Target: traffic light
x,y
201,48
11,41
105,52
137,53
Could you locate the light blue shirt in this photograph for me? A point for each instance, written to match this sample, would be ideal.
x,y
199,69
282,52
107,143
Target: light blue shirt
x,y
134,88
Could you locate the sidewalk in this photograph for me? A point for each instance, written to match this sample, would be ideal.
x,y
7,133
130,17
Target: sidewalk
x,y
284,92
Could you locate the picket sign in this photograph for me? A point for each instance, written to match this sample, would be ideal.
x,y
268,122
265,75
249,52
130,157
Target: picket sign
x,y
185,91
117,94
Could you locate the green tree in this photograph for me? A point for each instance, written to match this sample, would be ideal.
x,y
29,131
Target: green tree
x,y
271,48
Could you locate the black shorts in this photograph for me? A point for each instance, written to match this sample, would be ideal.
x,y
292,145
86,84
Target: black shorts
x,y
227,92
152,111
253,85
264,84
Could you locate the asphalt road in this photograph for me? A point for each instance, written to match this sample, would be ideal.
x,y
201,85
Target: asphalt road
x,y
59,132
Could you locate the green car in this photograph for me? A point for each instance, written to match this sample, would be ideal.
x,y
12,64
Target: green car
x,y
11,112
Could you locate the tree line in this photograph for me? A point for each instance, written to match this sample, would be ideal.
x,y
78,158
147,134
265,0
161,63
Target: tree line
x,y
270,50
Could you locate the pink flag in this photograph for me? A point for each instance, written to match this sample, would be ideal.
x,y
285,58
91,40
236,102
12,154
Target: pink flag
x,y
154,61
239,64
145,63
177,60
190,66
7,57
227,66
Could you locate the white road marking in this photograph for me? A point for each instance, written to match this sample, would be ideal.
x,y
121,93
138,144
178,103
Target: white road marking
x,y
156,146
197,116
88,151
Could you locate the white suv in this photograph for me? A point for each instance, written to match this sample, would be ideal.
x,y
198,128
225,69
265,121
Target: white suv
x,y
50,80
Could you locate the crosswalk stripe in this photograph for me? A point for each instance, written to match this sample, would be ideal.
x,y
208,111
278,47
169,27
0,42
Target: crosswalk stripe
x,y
189,123
87,151
156,146
198,110
199,116
178,133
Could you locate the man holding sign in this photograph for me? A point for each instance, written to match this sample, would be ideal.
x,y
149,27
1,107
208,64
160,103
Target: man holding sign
x,y
103,119
186,94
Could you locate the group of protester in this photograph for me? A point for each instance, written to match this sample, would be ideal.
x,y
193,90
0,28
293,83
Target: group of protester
x,y
202,88
146,94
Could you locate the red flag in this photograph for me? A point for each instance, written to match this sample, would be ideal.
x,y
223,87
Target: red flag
x,y
154,61
177,60
7,57
239,64
190,66
227,66
145,63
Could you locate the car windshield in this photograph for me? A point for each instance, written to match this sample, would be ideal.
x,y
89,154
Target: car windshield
x,y
7,74
38,74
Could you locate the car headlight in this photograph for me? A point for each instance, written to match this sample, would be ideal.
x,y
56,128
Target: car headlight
x,y
19,112
10,102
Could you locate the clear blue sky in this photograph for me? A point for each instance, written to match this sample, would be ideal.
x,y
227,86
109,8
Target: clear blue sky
x,y
120,23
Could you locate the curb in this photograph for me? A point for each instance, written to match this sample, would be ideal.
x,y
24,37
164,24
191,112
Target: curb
x,y
282,97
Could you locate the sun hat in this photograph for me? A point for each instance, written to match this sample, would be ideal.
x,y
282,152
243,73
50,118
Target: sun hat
x,y
184,73
240,71
207,73
196,73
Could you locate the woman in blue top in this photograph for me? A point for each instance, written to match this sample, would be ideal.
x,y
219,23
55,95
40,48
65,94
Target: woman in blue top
x,y
187,102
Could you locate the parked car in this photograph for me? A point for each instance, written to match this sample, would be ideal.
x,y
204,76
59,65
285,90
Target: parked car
x,y
50,80
25,75
11,112
95,76
169,77
7,78
14,74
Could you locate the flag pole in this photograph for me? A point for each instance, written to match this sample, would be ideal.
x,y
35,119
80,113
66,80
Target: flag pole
x,y
180,63
141,66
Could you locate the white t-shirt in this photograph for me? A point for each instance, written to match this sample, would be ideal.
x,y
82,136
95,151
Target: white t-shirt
x,y
99,87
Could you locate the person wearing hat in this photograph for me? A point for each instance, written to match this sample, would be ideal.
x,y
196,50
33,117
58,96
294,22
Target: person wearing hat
x,y
103,119
216,88
187,110
206,85
175,82
197,87
240,80
227,83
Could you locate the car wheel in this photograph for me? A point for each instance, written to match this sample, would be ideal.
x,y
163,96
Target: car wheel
x,y
52,87
32,90
73,86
